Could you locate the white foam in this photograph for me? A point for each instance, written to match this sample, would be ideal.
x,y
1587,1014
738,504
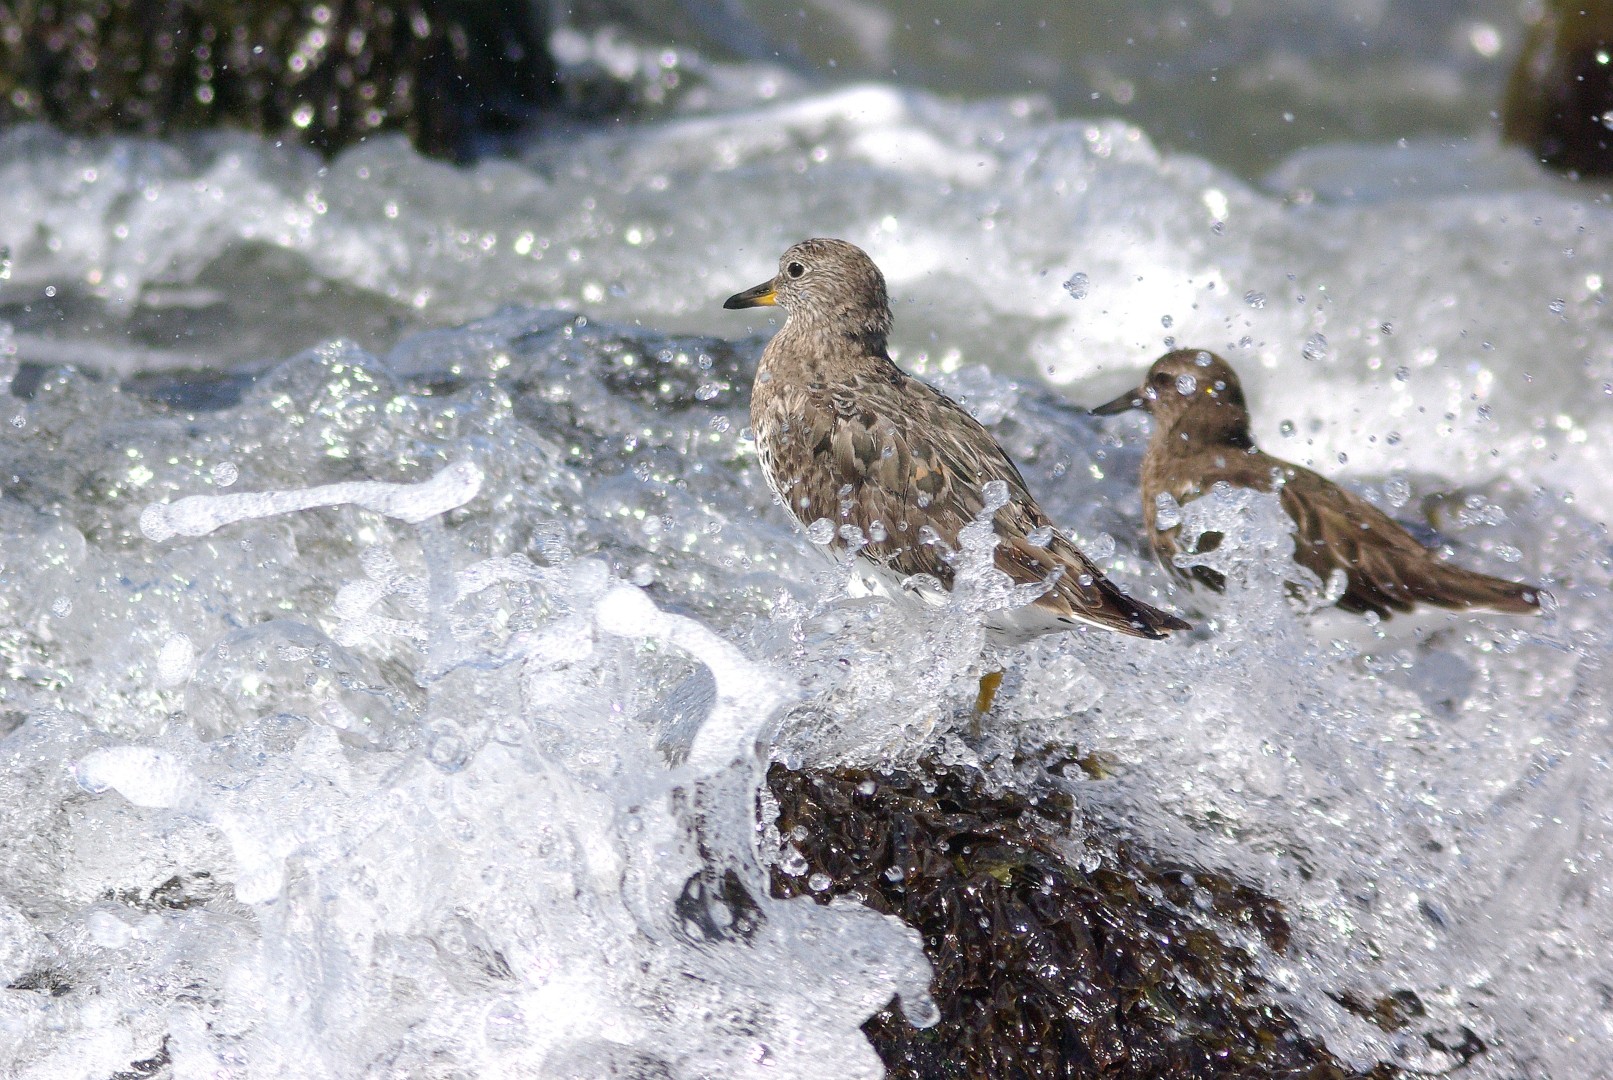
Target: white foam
x,y
197,515
143,775
747,697
432,786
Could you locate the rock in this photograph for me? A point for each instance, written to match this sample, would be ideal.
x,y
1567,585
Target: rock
x,y
1559,102
1043,968
452,74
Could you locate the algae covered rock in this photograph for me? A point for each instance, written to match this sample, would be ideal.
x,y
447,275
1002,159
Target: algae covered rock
x,y
1052,957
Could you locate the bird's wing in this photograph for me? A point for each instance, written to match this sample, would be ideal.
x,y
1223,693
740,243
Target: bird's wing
x,y
908,467
1387,569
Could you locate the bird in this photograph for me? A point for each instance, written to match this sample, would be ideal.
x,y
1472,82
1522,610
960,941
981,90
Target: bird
x,y
1201,437
846,436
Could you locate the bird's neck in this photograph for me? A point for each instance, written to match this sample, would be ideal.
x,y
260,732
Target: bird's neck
x,y
804,347
1213,425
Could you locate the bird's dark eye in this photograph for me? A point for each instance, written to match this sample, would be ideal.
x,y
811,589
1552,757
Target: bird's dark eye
x,y
795,269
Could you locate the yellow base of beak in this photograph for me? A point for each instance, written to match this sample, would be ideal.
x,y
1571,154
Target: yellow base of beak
x,y
763,295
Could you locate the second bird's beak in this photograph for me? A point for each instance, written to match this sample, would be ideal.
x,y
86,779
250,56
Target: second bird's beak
x,y
760,296
1131,399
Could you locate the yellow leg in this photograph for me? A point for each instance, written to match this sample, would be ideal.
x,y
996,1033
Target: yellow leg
x,y
988,692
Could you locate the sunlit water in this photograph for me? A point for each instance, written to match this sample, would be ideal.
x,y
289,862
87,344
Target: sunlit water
x,y
439,761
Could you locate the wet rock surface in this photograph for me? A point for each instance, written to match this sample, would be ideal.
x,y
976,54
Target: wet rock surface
x,y
1052,957
454,75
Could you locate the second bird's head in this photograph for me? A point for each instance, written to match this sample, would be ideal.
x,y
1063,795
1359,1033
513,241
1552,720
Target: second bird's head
x,y
1179,381
827,282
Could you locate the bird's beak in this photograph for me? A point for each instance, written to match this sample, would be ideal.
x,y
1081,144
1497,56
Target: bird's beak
x,y
1131,399
760,296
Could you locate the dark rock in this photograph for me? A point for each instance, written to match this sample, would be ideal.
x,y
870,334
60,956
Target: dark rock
x,y
1559,102
1044,969
454,75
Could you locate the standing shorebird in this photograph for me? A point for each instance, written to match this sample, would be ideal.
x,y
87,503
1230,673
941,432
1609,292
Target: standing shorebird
x,y
848,438
1201,437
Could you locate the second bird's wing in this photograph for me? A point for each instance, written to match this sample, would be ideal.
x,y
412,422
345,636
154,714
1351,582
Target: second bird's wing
x,y
1387,569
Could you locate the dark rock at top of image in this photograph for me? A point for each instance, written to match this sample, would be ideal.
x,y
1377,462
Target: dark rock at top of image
x,y
454,75
1053,959
1560,100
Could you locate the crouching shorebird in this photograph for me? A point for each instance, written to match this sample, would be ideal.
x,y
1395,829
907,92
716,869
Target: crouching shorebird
x,y
845,436
1201,437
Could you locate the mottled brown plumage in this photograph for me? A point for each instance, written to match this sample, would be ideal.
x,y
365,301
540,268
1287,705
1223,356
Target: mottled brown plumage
x,y
845,435
1201,437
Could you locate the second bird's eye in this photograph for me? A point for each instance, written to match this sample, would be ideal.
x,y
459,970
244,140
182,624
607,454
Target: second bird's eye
x,y
795,269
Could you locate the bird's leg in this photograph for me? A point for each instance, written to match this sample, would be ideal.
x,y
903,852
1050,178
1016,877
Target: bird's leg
x,y
988,692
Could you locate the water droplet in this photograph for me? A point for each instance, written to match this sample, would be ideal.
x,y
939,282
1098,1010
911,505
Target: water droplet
x,y
1167,511
61,606
995,495
1040,536
1402,373
225,473
1166,321
1186,384
819,882
1076,286
1287,429
867,787
876,531
447,750
1344,458
791,862
1396,491
1556,306
1102,546
821,531
894,873
1255,299
1315,348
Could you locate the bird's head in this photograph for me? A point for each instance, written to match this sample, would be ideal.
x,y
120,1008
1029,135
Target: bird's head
x,y
829,283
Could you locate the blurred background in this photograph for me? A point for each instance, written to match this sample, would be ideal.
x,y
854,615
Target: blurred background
x,y
1241,82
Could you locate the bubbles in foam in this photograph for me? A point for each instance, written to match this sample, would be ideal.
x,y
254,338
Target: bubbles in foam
x,y
143,775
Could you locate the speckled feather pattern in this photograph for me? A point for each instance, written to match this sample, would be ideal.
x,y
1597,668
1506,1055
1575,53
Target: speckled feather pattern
x,y
846,435
1201,437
